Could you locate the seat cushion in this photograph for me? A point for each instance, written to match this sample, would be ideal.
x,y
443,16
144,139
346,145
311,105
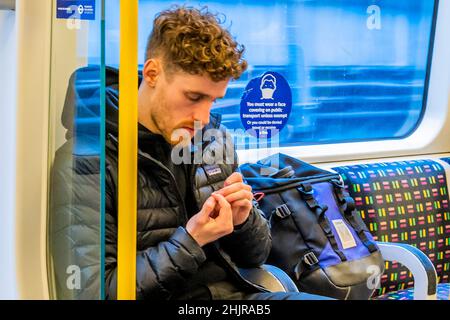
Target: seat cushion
x,y
443,293
407,202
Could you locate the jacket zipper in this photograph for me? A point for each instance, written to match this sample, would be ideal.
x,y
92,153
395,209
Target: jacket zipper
x,y
142,154
146,156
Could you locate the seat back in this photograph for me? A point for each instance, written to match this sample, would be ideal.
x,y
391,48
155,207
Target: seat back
x,y
408,202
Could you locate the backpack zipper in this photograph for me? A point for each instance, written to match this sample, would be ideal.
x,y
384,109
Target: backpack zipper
x,y
300,181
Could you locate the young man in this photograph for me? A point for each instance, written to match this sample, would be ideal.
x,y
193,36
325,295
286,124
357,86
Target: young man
x,y
191,240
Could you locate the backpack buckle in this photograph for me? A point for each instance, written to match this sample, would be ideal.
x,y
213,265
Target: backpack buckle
x,y
307,191
282,211
338,183
310,259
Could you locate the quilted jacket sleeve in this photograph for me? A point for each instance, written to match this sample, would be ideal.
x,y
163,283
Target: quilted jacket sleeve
x,y
249,246
161,269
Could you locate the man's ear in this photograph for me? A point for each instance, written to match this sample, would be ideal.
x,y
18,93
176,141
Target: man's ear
x,y
151,71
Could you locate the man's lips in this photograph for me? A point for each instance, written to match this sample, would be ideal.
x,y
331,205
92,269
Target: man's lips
x,y
190,130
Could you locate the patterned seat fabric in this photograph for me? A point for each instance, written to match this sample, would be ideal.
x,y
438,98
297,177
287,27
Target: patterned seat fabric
x,y
406,202
443,293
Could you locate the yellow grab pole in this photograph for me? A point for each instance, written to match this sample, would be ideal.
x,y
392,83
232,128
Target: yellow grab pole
x,y
128,119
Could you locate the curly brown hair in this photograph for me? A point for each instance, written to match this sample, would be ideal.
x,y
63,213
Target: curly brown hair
x,y
194,41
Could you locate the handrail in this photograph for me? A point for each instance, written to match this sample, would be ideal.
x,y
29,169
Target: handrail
x,y
127,179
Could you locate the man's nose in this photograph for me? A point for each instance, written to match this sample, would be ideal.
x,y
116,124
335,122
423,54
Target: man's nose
x,y
202,113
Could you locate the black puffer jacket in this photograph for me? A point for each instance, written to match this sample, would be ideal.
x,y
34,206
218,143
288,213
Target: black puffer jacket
x,y
167,256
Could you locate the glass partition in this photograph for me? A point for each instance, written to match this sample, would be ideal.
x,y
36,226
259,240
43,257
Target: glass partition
x,y
76,164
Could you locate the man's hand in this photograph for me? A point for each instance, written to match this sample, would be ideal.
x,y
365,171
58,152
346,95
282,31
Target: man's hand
x,y
212,222
239,195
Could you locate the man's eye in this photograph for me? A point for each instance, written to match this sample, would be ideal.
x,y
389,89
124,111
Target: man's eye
x,y
194,98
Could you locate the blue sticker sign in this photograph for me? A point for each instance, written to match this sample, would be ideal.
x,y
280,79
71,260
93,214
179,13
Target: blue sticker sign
x,y
266,105
75,9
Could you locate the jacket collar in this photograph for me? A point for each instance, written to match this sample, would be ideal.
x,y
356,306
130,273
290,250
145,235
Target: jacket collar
x,y
214,123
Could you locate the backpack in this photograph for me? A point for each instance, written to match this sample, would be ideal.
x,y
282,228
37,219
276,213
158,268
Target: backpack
x,y
318,238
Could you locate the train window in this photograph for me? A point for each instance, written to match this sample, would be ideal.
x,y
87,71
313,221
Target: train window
x,y
357,69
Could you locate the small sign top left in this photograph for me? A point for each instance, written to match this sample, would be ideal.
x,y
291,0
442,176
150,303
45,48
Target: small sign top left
x,y
75,9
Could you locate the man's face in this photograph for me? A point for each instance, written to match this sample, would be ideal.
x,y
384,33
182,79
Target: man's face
x,y
180,100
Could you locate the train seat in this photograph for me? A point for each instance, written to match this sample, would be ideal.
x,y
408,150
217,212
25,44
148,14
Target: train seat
x,y
405,202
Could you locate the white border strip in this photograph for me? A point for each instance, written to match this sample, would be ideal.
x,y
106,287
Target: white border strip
x,y
8,52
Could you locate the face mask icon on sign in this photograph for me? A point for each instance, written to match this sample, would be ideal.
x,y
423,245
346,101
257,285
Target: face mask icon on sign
x,y
268,86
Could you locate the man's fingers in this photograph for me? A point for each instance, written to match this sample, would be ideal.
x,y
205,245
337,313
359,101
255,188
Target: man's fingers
x,y
208,206
240,195
235,187
223,203
244,203
233,178
225,213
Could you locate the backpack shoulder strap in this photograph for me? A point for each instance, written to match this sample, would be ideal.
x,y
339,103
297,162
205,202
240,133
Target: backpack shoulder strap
x,y
306,192
348,208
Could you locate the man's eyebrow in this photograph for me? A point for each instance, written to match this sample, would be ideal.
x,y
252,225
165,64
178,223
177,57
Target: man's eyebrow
x,y
202,94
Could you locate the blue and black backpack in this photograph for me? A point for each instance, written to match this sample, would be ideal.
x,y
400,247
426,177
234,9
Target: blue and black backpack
x,y
318,238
